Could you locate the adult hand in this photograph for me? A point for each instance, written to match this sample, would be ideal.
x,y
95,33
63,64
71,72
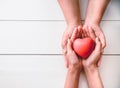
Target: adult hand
x,y
90,64
74,63
66,35
90,67
95,31
71,58
94,14
95,57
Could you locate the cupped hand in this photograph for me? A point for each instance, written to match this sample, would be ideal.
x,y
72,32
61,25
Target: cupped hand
x,y
66,35
72,59
94,31
95,58
97,31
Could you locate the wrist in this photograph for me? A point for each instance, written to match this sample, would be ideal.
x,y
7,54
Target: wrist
x,y
90,70
93,77
91,23
74,69
89,67
74,24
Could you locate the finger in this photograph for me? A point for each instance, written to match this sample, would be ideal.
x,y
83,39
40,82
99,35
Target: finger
x,y
92,33
66,61
98,45
69,47
64,40
65,58
97,51
100,59
85,27
79,31
103,40
85,33
99,62
64,51
74,34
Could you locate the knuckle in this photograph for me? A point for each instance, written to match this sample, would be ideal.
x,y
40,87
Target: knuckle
x,y
62,45
91,31
69,53
64,52
104,45
97,52
73,61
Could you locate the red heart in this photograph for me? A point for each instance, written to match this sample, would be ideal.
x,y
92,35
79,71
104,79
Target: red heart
x,y
83,47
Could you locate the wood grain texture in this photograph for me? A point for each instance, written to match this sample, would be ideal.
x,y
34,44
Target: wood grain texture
x,y
47,10
38,37
49,71
35,27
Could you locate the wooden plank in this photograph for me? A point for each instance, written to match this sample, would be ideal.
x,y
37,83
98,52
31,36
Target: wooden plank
x,y
31,72
47,10
36,37
49,71
31,37
110,71
111,31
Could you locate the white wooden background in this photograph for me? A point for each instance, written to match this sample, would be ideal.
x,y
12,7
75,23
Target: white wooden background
x,y
30,38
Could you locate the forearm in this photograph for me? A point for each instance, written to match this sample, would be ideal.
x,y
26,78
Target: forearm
x,y
72,79
93,78
71,11
95,11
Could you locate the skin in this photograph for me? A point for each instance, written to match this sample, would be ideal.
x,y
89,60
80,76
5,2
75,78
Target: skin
x,y
94,14
75,67
89,65
91,28
75,64
71,13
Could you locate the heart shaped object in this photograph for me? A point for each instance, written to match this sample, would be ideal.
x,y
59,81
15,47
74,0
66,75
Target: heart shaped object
x,y
83,47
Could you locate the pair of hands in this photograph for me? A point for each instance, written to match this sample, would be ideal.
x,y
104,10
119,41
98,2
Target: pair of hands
x,y
73,60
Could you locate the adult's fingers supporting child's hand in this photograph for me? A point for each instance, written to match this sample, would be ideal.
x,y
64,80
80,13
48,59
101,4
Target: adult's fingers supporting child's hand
x,y
96,54
64,49
74,34
100,59
64,42
92,33
85,31
103,40
98,45
69,47
80,31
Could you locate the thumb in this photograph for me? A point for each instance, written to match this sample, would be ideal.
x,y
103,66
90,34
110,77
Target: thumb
x,y
69,46
98,45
